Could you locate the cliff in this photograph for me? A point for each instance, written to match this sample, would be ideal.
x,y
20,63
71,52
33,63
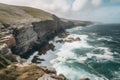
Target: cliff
x,y
24,30
31,28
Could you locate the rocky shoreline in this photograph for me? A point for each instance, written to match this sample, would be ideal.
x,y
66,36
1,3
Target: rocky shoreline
x,y
25,33
51,46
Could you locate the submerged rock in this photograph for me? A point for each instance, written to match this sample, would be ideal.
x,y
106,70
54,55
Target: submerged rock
x,y
63,34
69,40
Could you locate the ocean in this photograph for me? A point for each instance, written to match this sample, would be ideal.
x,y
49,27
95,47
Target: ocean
x,y
96,56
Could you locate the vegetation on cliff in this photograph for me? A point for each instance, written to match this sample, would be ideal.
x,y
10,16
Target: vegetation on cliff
x,y
16,14
13,72
6,60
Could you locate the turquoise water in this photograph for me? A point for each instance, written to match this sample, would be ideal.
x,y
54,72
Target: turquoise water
x,y
96,56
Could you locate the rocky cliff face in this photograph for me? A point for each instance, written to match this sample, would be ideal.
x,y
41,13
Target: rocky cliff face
x,y
33,36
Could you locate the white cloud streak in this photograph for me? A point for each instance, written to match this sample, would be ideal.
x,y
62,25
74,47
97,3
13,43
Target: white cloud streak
x,y
77,9
78,5
96,2
53,5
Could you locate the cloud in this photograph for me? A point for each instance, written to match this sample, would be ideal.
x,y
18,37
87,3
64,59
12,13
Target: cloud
x,y
78,4
107,14
96,2
57,7
75,9
115,1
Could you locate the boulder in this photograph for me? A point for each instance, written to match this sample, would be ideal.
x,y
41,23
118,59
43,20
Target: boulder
x,y
10,40
63,35
58,77
4,49
50,70
60,41
85,79
78,39
71,39
46,77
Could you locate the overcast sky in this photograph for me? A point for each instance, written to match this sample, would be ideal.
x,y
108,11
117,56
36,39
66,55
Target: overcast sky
x,y
97,10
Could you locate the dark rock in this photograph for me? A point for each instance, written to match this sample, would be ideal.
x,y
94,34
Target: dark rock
x,y
69,40
60,41
50,70
5,50
59,77
85,79
63,35
37,60
45,48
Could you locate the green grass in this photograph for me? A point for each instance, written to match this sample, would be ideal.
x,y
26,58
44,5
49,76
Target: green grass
x,y
11,14
5,17
37,13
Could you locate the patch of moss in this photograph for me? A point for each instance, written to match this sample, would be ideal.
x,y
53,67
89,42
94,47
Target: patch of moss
x,y
2,35
1,43
11,58
4,61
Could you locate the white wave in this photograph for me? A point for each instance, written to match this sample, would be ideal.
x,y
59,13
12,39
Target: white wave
x,y
93,34
81,43
65,52
32,56
107,55
75,74
105,38
106,50
74,29
116,75
81,59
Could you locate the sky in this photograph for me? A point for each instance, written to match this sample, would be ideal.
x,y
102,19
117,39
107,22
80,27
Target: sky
x,y
107,11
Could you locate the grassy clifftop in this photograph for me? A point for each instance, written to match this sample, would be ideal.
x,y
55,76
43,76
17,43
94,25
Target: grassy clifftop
x,y
14,14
